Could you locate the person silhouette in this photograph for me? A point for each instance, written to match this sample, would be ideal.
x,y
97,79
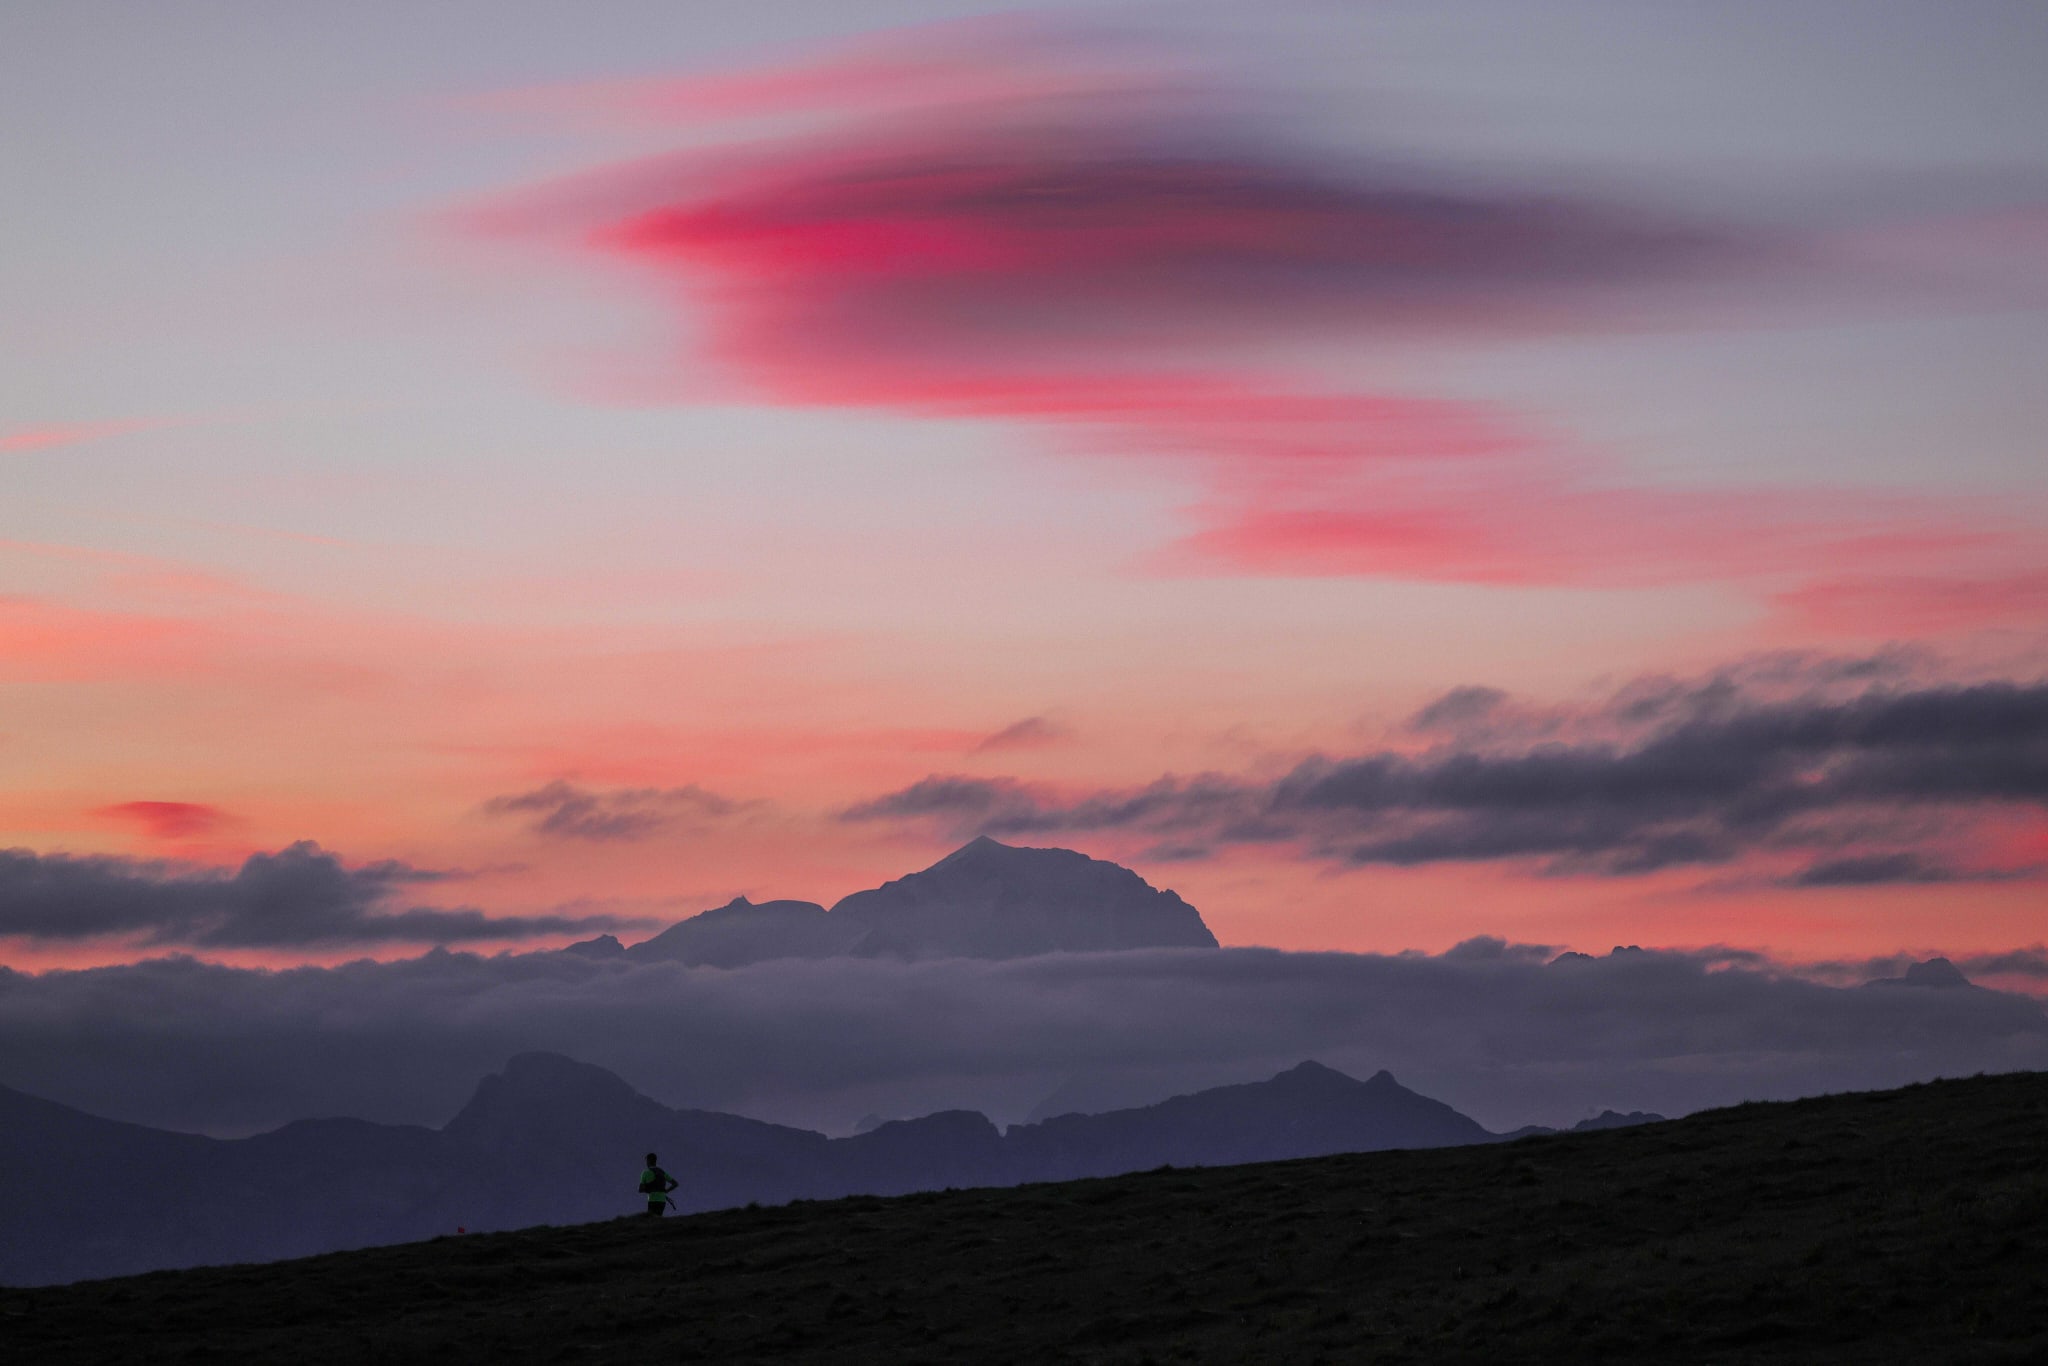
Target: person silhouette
x,y
655,1184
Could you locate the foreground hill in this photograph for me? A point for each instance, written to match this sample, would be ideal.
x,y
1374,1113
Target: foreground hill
x,y
1895,1226
554,1141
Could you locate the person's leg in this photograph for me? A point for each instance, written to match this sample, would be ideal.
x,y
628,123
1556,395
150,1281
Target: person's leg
x,y
657,1208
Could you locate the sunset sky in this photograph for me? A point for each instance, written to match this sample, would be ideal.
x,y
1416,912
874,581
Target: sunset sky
x,y
1391,472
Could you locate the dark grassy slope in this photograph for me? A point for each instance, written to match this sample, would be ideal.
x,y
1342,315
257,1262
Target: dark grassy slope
x,y
1892,1226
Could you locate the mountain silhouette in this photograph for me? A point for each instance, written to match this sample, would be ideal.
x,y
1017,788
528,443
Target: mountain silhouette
x,y
1938,973
1606,1119
550,1140
604,946
983,900
1307,1111
1094,1091
82,1196
1614,1119
991,900
742,932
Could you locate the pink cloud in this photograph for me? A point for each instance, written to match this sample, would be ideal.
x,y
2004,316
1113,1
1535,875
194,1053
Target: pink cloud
x,y
2001,251
650,753
1885,605
945,63
167,820
1527,522
54,434
52,642
1115,256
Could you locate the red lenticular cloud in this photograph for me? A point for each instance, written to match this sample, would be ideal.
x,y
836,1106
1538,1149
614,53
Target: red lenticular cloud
x,y
167,820
974,234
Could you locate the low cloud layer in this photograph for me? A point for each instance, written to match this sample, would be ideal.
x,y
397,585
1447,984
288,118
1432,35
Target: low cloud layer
x,y
1850,778
299,897
1498,1030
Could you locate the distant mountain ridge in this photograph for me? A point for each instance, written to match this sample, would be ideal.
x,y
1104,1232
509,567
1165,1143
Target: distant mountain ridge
x,y
983,900
1307,1111
552,1140
1606,1119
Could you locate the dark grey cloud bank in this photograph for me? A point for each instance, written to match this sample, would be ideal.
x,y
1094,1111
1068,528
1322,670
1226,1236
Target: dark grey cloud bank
x,y
1869,870
1856,779
1496,1030
299,897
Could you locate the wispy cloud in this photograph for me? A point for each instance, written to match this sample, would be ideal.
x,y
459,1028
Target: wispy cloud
x,y
566,811
1915,605
41,640
2029,962
1872,870
51,435
1861,783
1033,732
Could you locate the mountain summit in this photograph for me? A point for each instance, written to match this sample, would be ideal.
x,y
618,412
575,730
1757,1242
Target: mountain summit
x,y
983,900
991,900
1937,973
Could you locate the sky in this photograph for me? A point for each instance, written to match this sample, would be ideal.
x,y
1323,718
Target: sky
x,y
483,475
